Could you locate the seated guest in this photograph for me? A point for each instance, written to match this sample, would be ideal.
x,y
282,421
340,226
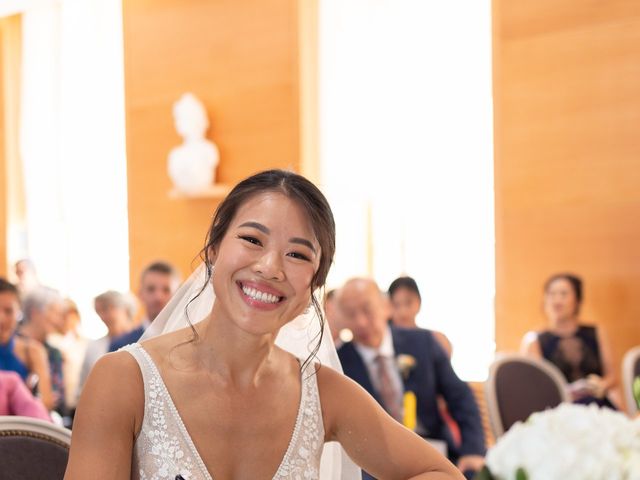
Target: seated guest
x,y
158,283
580,351
116,310
373,359
406,302
73,345
27,277
27,357
16,399
333,316
43,309
405,306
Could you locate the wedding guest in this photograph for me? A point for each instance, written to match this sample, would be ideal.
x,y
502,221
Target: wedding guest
x,y
27,357
16,399
405,306
69,340
371,359
116,310
43,309
406,302
158,283
334,317
27,277
248,408
581,351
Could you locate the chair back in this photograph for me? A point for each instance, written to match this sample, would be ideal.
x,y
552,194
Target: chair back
x,y
630,371
32,448
519,386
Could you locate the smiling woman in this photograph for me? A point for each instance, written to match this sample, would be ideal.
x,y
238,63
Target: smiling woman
x,y
580,351
218,398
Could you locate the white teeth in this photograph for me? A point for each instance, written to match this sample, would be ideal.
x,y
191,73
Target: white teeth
x,y
260,296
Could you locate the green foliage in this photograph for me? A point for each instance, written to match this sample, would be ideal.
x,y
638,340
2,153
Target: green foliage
x,y
636,390
485,474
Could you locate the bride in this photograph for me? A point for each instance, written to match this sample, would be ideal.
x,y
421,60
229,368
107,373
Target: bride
x,y
216,397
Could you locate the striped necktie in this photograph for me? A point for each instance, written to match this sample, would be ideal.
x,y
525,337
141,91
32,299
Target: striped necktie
x,y
388,390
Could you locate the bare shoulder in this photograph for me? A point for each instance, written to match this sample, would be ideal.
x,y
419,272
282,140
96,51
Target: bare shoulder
x,y
114,390
340,398
108,419
602,332
115,373
329,380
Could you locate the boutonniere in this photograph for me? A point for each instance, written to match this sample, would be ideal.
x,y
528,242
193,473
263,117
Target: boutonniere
x,y
405,364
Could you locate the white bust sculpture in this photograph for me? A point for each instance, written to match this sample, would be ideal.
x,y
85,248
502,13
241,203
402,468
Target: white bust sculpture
x,y
192,164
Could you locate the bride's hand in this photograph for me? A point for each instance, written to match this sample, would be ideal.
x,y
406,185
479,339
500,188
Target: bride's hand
x,y
374,440
470,462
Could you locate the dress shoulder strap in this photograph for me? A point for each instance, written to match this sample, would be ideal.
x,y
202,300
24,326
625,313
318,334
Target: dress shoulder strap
x,y
136,351
302,459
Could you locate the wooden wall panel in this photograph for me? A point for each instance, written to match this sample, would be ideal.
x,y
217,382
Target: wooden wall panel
x,y
12,208
567,166
241,60
3,157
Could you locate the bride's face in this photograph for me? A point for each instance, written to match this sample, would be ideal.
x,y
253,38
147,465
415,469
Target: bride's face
x,y
265,264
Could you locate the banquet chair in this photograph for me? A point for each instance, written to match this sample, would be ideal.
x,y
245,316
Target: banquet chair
x,y
32,448
519,386
630,371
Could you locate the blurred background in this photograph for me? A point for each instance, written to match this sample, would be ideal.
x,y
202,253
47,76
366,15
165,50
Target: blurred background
x,y
476,146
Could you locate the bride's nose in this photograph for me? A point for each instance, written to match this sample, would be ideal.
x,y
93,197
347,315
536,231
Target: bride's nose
x,y
269,266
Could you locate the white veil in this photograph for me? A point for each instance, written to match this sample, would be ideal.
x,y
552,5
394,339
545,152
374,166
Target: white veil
x,y
298,337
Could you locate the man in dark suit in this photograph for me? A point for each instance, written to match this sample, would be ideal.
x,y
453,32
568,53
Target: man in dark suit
x,y
390,361
158,283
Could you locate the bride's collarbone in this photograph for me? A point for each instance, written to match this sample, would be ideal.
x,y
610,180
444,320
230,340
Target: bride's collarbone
x,y
241,437
216,401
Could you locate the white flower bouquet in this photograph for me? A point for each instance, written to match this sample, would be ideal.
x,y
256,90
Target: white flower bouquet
x,y
568,442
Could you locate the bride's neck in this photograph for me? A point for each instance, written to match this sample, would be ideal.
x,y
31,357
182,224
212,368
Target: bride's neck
x,y
234,355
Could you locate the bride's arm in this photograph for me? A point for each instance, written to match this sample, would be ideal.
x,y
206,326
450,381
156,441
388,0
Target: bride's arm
x,y
109,413
374,440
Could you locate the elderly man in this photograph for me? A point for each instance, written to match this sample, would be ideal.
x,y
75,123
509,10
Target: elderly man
x,y
158,283
389,361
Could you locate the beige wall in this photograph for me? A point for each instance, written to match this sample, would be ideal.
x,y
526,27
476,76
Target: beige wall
x,y
3,157
567,170
242,59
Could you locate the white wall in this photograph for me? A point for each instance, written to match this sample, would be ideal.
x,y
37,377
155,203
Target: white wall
x,y
73,150
407,160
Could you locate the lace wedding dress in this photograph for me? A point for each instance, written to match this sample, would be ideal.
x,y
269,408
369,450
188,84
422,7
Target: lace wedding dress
x,y
165,451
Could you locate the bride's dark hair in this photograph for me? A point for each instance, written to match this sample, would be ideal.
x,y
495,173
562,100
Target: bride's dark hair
x,y
307,196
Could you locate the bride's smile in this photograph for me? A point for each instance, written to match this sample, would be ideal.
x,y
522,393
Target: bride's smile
x,y
259,295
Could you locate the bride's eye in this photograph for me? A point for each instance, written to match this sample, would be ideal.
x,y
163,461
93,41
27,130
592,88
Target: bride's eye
x,y
250,239
299,256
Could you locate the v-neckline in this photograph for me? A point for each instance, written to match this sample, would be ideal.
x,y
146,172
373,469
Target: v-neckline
x,y
189,440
